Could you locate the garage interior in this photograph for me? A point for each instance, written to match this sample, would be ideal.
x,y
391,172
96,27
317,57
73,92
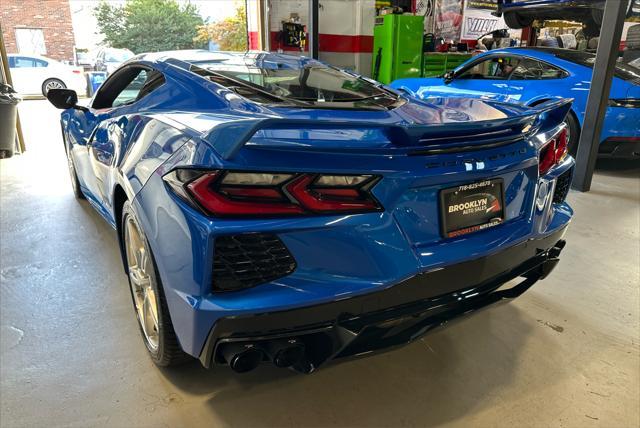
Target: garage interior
x,y
566,353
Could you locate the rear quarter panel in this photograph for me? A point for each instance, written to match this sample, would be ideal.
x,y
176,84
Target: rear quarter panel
x,y
134,147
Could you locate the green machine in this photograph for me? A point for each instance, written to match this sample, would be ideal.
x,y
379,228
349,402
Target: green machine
x,y
436,63
397,47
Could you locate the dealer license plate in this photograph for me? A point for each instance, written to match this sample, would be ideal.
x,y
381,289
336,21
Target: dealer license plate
x,y
471,207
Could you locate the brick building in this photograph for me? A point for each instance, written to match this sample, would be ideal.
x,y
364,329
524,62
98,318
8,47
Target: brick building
x,y
38,26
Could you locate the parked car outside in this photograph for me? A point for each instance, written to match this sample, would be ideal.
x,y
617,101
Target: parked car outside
x,y
85,59
272,208
108,59
531,76
34,74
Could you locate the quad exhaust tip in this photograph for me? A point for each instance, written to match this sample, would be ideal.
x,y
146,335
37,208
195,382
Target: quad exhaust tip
x,y
285,352
244,357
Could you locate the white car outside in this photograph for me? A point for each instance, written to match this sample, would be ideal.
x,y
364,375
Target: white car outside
x,y
34,74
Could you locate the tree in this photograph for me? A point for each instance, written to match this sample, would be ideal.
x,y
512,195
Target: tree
x,y
149,25
230,33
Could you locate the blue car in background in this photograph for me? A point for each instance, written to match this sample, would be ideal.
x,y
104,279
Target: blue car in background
x,y
271,208
531,76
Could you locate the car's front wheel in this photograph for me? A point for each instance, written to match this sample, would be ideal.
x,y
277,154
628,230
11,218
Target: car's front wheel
x,y
52,84
148,298
75,183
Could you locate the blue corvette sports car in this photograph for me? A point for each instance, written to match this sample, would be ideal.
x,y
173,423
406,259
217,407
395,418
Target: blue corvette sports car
x,y
271,208
531,76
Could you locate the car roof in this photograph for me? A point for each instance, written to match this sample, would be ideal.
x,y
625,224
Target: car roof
x,y
537,51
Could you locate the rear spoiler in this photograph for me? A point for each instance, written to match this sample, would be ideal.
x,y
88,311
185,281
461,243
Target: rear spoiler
x,y
228,138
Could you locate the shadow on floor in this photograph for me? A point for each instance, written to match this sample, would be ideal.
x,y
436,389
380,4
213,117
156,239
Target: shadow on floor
x,y
427,380
618,167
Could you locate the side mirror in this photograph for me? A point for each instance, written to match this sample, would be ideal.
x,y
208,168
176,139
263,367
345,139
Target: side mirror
x,y
448,77
64,99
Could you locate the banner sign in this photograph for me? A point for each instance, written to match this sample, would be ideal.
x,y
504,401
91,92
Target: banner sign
x,y
449,19
478,20
491,5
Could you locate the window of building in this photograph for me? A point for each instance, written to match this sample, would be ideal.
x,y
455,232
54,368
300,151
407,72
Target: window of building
x,y
30,41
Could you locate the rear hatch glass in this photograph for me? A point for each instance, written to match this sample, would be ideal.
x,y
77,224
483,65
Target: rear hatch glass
x,y
305,83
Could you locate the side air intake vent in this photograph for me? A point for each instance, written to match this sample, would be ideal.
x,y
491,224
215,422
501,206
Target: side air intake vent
x,y
563,184
243,261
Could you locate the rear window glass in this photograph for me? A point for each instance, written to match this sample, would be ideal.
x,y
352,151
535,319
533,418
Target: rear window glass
x,y
275,78
622,70
308,83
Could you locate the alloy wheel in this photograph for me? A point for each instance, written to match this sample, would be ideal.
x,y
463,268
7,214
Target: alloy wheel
x,y
142,283
53,84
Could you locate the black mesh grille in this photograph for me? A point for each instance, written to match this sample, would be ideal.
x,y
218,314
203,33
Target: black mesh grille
x,y
242,261
563,184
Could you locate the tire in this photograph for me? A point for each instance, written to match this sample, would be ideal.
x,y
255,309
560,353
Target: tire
x,y
52,84
513,20
573,129
75,183
591,29
148,296
598,14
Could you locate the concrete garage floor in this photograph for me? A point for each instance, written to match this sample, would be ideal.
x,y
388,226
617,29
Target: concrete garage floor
x,y
564,354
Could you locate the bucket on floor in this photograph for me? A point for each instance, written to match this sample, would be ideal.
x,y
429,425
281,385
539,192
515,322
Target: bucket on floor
x,y
8,114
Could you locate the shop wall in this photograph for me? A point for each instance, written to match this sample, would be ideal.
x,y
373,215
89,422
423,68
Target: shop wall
x,y
345,29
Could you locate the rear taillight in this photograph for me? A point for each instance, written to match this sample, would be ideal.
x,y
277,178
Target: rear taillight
x,y
238,194
553,152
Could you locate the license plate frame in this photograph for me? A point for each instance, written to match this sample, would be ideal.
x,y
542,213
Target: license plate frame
x,y
461,207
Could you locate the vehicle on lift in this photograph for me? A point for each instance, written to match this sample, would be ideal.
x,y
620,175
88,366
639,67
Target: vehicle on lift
x,y
522,13
531,76
273,208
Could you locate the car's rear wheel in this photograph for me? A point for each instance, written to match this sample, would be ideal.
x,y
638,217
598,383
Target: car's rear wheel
x,y
52,84
75,183
514,20
573,134
597,15
148,298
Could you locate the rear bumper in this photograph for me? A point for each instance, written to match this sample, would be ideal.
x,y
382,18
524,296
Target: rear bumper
x,y
394,316
620,148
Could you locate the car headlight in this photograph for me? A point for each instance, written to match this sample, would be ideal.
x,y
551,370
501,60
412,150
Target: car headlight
x,y
625,102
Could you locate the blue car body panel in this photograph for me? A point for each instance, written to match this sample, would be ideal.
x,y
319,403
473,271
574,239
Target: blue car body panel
x,y
192,122
619,122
